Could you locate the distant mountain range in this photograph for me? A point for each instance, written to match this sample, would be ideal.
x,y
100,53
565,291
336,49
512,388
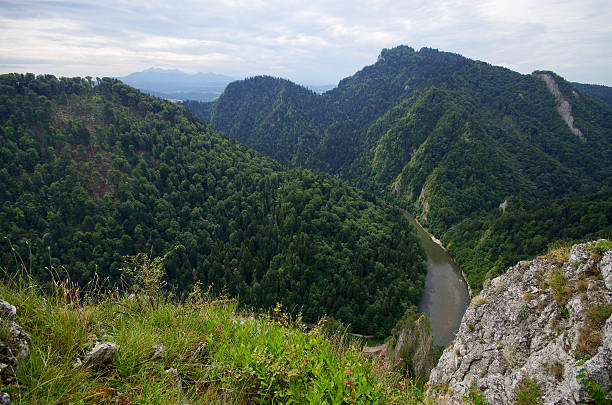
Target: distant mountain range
x,y
173,84
176,85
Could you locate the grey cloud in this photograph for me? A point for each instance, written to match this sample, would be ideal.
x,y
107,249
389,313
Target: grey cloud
x,y
315,41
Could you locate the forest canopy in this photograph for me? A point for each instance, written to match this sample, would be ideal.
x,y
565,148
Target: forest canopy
x,y
93,170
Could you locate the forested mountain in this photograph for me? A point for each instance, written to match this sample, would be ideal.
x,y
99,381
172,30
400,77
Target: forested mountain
x,y
447,137
93,171
604,93
486,245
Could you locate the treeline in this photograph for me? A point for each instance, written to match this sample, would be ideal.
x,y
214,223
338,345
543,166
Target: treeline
x,y
93,170
603,93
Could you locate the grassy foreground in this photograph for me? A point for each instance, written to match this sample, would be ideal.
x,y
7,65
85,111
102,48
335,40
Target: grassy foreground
x,y
246,359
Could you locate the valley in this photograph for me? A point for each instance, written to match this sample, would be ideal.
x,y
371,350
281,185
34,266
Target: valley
x,y
274,206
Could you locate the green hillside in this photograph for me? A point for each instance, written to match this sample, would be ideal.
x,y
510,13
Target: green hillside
x,y
486,245
603,93
444,136
94,171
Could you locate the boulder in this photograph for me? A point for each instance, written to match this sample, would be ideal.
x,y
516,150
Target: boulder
x,y
102,354
159,353
411,345
14,346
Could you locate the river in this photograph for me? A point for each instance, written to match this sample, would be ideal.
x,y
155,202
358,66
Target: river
x,y
446,297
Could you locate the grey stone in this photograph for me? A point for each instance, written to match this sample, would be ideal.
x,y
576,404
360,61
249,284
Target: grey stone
x,y
159,353
413,339
15,347
201,353
5,399
519,331
102,354
7,311
605,266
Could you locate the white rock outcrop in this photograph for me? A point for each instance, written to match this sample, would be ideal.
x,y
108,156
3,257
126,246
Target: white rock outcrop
x,y
544,321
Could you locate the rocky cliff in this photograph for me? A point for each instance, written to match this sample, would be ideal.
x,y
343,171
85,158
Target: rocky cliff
x,y
542,332
410,348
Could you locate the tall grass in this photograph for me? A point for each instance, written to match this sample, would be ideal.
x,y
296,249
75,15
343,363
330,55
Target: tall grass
x,y
265,358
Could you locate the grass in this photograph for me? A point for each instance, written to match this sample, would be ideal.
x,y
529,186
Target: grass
x,y
555,368
601,247
528,393
589,337
266,358
478,301
558,284
559,251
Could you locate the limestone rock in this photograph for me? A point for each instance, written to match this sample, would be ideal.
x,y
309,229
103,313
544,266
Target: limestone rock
x,y
534,322
412,343
375,351
14,341
201,353
102,354
7,311
606,269
159,353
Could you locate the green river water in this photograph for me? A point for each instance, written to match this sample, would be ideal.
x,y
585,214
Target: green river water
x,y
446,296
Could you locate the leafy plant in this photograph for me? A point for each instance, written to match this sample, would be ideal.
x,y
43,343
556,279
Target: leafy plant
x,y
147,275
597,394
557,281
248,359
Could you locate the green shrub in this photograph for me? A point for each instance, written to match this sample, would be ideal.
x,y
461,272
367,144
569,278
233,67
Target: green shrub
x,y
601,247
264,358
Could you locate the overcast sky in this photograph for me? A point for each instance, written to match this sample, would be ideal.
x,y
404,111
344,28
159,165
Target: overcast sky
x,y
311,42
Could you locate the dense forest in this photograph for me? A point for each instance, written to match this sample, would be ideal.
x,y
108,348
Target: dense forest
x,y
603,93
446,137
486,245
93,171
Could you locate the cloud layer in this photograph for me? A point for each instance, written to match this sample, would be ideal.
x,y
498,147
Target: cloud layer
x,y
311,42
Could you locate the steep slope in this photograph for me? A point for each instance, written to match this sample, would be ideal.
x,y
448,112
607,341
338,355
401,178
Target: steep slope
x,y
520,229
270,115
92,172
447,137
201,351
540,333
603,93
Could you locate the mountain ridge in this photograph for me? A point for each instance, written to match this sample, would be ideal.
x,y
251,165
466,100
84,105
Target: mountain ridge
x,y
497,133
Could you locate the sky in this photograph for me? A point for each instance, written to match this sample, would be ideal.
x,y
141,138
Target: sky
x,y
311,42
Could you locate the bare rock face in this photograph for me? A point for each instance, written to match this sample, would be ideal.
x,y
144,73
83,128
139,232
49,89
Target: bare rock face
x,y
412,343
544,324
14,345
564,108
14,341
